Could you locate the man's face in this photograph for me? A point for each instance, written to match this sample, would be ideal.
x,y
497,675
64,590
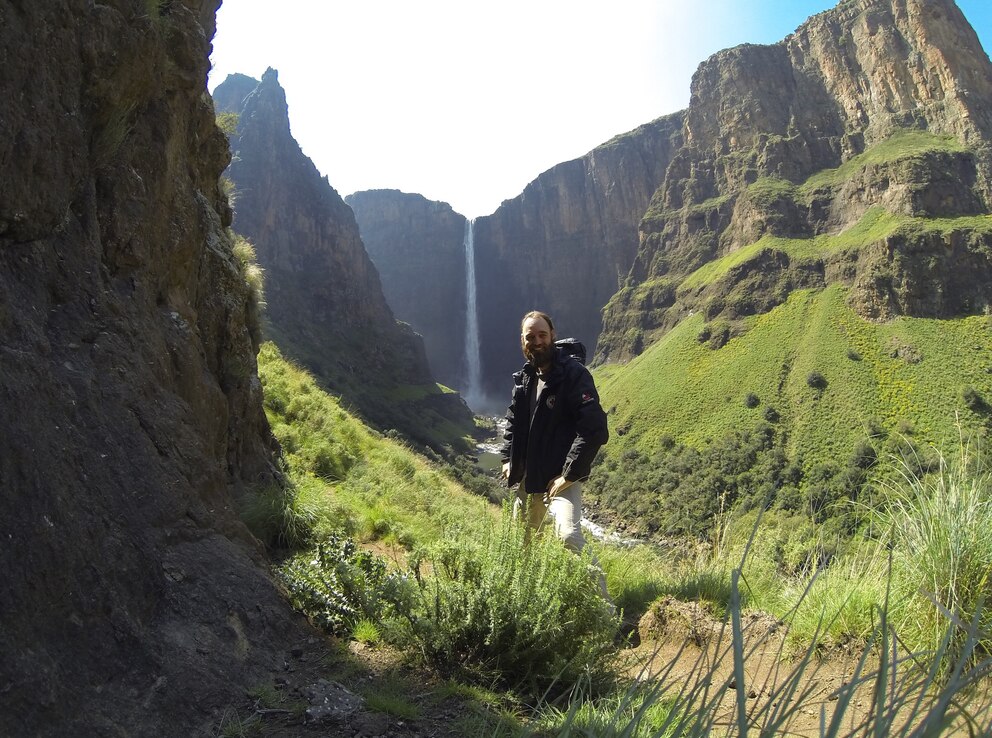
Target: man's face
x,y
537,340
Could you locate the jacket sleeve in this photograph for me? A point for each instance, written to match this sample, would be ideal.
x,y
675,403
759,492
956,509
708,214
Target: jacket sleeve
x,y
505,449
591,430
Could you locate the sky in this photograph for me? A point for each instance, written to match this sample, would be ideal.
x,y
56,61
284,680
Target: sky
x,y
466,102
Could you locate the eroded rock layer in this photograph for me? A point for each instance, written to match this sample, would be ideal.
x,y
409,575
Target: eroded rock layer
x,y
877,106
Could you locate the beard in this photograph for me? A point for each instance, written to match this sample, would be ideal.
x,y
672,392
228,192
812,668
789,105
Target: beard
x,y
538,356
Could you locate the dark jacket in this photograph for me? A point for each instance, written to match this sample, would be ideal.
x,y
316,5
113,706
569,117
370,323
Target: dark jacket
x,y
568,428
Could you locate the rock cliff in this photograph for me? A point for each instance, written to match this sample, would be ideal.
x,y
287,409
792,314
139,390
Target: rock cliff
x,y
418,246
846,98
132,600
566,243
325,304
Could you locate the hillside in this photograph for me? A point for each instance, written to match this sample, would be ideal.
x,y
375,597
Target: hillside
x,y
792,411
874,104
814,276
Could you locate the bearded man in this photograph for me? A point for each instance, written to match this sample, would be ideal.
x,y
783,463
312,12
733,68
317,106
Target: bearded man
x,y
555,426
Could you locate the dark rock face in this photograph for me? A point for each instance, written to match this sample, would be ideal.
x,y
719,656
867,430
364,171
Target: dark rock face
x,y
566,243
132,600
325,304
418,247
844,81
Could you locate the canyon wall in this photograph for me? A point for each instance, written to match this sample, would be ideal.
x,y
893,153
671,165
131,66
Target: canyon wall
x,y
325,306
566,243
132,600
763,119
418,247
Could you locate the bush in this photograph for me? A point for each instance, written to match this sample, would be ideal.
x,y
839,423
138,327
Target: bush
x,y
528,616
337,585
228,123
751,400
816,380
680,490
973,400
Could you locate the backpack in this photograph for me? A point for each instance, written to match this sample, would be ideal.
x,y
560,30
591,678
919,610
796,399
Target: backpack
x,y
572,347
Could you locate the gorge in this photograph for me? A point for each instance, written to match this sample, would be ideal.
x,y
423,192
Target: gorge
x,y
802,257
604,242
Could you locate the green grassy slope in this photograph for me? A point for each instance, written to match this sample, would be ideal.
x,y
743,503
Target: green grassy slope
x,y
681,388
773,342
348,476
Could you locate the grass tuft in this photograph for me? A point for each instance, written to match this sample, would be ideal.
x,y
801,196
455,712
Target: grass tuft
x,y
939,528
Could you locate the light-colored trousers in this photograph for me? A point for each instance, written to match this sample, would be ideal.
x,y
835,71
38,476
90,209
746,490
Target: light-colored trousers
x,y
565,513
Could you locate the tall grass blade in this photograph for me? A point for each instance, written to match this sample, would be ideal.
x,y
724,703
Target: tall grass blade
x,y
737,637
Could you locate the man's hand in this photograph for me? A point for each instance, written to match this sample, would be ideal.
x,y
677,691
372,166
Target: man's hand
x,y
506,470
556,485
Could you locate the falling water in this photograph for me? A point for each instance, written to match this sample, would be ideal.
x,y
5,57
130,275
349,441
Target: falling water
x,y
473,390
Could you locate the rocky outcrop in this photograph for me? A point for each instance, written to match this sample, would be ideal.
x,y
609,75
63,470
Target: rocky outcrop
x,y
418,247
763,119
325,304
566,243
133,599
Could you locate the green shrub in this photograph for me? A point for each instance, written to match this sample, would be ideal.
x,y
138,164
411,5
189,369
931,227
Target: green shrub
x,y
679,489
973,400
228,123
816,380
337,585
254,277
155,8
366,631
524,615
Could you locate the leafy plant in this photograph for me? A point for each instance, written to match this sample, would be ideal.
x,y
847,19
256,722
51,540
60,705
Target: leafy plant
x,y
338,585
113,129
228,123
816,380
524,615
279,516
366,631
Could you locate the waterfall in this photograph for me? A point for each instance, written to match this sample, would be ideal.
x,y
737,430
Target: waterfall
x,y
473,388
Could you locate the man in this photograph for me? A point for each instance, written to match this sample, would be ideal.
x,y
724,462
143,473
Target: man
x,y
555,427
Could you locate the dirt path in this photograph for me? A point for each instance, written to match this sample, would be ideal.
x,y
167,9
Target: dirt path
x,y
686,651
773,683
